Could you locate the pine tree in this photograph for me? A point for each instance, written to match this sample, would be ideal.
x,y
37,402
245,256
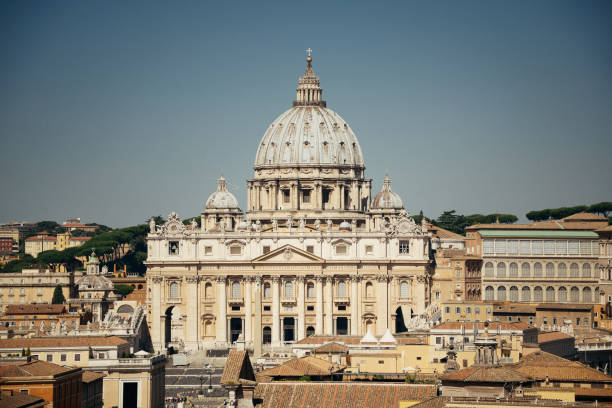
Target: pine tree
x,y
58,296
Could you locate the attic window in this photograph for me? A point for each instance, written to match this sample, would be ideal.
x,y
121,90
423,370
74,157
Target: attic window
x,y
266,249
340,249
173,247
235,250
404,247
286,196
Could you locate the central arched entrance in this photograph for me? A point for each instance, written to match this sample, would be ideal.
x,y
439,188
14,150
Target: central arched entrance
x,y
235,328
288,329
173,327
400,325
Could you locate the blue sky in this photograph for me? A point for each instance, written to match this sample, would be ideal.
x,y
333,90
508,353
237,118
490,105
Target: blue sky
x,y
114,111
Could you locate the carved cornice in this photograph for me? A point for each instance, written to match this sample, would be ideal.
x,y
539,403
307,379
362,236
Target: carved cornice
x,y
192,279
220,279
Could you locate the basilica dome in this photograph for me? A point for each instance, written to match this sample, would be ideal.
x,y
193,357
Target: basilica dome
x,y
309,134
387,199
221,199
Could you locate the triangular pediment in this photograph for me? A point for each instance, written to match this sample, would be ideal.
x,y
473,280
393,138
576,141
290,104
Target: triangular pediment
x,y
288,254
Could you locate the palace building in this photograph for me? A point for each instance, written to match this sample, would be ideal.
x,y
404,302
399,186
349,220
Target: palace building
x,y
314,253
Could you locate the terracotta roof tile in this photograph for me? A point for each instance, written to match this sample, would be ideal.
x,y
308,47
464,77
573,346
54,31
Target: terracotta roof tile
x,y
486,375
21,401
35,368
585,216
552,336
340,395
492,326
326,339
540,365
237,368
298,367
35,309
91,376
331,347
84,341
442,233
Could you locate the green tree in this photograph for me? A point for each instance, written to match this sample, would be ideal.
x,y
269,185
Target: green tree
x,y
603,208
58,296
123,290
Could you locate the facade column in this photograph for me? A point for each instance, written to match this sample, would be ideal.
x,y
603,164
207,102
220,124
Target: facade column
x,y
317,200
192,335
329,304
381,305
301,309
319,306
158,330
257,330
221,320
354,305
275,311
248,311
419,297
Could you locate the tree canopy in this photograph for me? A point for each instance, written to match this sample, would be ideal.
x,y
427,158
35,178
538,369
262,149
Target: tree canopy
x,y
450,220
58,296
604,208
123,290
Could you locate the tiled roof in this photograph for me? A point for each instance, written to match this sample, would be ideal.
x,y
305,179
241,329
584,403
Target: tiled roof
x,y
593,392
435,402
91,376
469,326
50,342
552,336
442,233
298,367
340,394
332,347
34,368
35,309
21,401
486,375
585,216
42,238
79,238
326,339
237,368
540,365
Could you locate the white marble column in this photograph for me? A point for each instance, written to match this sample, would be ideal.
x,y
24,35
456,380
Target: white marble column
x,y
301,329
248,311
354,306
381,305
157,329
257,331
329,306
221,318
319,306
191,335
275,311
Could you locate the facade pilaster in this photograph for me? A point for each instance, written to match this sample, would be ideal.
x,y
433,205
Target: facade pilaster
x,y
381,305
354,306
192,335
248,311
257,331
319,305
329,306
301,309
158,330
221,321
275,311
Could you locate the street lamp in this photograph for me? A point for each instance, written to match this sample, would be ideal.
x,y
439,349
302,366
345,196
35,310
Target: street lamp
x,y
202,385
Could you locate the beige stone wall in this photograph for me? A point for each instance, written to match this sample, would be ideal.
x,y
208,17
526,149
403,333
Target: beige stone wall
x,y
32,286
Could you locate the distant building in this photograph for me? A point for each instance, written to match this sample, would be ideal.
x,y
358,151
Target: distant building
x,y
33,286
40,243
75,224
8,245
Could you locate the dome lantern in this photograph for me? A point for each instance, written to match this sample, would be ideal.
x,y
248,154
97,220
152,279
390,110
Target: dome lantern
x,y
309,92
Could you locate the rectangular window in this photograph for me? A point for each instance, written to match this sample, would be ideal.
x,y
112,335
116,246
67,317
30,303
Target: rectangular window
x,y
310,249
77,357
549,247
585,247
173,247
62,357
572,247
24,391
477,310
447,309
465,363
595,247
208,250
286,196
404,247
381,361
342,307
457,310
266,249
310,308
306,196
266,308
235,308
435,361
369,249
487,246
500,246
235,250
468,310
419,358
513,247
577,321
49,358
561,247
101,355
525,247
536,247
438,340
458,273
340,249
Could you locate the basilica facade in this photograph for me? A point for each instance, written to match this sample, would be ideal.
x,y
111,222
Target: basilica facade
x,y
314,253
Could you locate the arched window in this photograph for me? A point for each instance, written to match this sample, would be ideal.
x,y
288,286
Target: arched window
x,y
267,335
574,270
267,291
562,270
488,269
235,290
550,270
586,295
586,270
310,331
526,294
537,269
489,293
404,290
514,297
342,289
537,294
369,290
310,290
525,270
550,294
208,293
514,270
501,293
125,309
174,290
501,270
289,289
574,294
562,294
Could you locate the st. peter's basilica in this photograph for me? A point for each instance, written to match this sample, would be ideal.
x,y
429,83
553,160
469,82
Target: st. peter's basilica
x,y
314,253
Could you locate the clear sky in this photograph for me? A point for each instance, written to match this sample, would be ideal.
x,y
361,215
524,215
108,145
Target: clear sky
x,y
114,111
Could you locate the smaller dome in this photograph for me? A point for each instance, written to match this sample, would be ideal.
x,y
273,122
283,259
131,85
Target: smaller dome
x,y
221,199
345,226
387,199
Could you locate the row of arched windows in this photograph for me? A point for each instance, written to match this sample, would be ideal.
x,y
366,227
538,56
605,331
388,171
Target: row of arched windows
x,y
526,270
538,294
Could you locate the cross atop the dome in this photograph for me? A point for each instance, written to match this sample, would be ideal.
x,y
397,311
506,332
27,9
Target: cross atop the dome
x,y
309,51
